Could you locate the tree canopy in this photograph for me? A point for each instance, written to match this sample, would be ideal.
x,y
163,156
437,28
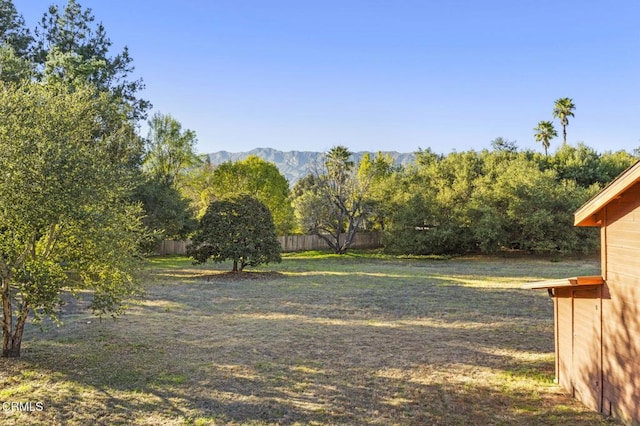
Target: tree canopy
x,y
64,191
170,150
169,156
496,200
240,229
68,45
251,176
71,45
334,205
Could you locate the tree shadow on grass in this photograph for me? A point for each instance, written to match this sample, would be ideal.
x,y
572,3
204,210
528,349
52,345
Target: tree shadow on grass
x,y
375,350
303,386
351,383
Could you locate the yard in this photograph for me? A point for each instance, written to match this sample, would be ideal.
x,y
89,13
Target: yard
x,y
356,339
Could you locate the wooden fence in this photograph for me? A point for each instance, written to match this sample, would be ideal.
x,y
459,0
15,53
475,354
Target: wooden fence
x,y
173,247
313,242
289,243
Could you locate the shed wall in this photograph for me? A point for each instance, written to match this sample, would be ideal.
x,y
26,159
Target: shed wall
x,y
564,337
578,340
587,347
621,307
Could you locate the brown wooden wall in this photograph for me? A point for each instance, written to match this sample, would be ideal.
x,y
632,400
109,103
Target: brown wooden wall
x,y
587,346
579,345
621,306
564,336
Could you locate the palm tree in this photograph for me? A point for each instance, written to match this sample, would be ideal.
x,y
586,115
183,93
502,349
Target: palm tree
x,y
544,133
338,163
563,109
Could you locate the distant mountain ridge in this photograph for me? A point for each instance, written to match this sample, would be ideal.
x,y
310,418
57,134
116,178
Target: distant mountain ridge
x,y
295,165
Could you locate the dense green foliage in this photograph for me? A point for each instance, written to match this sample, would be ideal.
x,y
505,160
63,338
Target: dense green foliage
x,y
252,176
66,220
467,202
331,202
494,200
70,160
240,229
169,155
70,44
13,32
167,214
170,150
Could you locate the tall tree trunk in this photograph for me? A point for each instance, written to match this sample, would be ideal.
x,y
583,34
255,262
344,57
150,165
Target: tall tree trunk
x,y
235,266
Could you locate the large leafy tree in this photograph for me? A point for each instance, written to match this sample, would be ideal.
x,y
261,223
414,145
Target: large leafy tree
x,y
66,222
383,173
170,150
430,214
489,201
258,178
563,109
578,163
197,185
587,167
614,163
170,153
411,228
544,133
335,206
518,206
167,214
74,47
240,229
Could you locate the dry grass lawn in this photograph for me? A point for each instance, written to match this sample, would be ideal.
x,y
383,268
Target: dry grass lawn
x,y
359,339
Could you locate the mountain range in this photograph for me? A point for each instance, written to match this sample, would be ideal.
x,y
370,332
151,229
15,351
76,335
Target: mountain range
x,y
295,165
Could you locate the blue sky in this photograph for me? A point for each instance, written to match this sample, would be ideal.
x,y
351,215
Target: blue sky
x,y
381,75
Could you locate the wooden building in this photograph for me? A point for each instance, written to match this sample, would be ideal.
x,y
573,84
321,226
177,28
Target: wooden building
x,y
597,319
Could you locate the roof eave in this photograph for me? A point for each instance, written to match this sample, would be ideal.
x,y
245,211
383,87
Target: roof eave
x,y
565,282
589,213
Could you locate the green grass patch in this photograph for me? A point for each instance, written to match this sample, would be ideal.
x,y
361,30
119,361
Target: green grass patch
x,y
318,339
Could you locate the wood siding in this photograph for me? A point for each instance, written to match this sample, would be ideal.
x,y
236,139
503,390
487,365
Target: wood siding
x,y
587,347
564,337
579,345
621,307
